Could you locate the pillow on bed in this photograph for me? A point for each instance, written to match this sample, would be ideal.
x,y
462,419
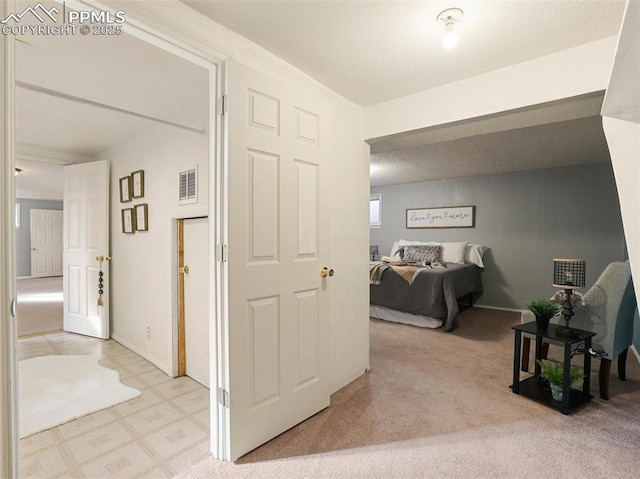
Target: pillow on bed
x,y
422,253
473,254
398,244
394,251
453,252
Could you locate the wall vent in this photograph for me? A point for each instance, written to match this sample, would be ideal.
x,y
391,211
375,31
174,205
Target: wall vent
x,y
188,186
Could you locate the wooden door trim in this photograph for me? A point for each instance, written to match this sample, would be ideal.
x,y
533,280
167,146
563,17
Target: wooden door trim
x,y
182,350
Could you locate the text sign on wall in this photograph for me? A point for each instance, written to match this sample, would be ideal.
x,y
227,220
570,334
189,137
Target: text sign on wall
x,y
444,217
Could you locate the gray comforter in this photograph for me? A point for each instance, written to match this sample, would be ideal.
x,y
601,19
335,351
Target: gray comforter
x,y
434,291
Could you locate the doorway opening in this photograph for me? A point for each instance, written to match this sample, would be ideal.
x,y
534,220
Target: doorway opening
x,y
146,85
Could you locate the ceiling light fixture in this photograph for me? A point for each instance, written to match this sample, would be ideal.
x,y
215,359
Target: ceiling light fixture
x,y
449,18
17,171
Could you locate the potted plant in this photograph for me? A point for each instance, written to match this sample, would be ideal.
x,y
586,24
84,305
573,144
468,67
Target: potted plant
x,y
544,310
553,371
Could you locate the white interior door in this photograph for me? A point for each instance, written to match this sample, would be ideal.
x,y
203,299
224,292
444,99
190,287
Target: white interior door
x,y
46,242
196,298
277,337
86,238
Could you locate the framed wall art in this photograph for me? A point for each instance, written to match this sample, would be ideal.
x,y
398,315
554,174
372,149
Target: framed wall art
x,y
137,180
128,220
442,217
142,222
125,189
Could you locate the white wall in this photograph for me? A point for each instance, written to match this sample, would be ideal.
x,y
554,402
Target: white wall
x,y
568,73
141,268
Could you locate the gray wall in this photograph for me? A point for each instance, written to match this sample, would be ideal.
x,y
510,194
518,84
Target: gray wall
x,y
23,234
525,218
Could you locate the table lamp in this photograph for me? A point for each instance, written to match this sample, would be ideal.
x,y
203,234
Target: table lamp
x,y
373,251
568,274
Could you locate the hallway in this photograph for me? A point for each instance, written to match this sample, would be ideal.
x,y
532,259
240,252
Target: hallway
x,y
157,435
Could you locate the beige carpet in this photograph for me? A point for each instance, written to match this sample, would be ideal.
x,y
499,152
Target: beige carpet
x,y
438,404
39,305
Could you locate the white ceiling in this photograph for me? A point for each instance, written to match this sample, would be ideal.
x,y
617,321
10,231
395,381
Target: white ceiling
x,y
367,51
375,51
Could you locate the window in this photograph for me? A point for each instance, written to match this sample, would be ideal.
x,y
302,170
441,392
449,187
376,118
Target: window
x,y
375,210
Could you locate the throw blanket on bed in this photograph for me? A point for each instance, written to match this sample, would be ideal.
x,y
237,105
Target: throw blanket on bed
x,y
375,272
407,271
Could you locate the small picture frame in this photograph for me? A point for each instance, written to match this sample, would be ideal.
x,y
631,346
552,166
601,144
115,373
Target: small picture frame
x,y
128,220
142,221
137,180
125,189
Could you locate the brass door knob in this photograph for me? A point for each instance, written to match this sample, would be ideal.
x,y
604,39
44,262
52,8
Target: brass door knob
x,y
183,270
324,272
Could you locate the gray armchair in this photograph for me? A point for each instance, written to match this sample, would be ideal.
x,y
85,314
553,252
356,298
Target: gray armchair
x,y
609,309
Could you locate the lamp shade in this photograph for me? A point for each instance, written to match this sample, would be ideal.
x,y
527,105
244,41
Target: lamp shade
x,y
569,273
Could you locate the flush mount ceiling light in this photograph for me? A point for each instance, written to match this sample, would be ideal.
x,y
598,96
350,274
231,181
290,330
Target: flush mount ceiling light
x,y
449,18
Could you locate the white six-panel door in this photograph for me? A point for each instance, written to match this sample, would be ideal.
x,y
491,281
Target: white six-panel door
x,y
86,238
46,242
278,324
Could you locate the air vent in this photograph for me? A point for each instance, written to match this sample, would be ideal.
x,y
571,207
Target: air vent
x,y
188,186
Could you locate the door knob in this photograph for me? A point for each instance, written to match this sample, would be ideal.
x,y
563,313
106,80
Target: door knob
x,y
324,272
183,270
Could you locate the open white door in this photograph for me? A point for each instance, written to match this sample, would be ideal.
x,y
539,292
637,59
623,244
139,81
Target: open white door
x,y
277,337
86,241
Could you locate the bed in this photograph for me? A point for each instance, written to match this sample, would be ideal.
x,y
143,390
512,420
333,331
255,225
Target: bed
x,y
429,297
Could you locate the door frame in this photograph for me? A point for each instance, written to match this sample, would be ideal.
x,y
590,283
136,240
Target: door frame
x,y
9,442
161,28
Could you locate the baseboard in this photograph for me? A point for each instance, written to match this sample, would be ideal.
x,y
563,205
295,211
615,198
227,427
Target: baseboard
x,y
635,352
513,310
159,364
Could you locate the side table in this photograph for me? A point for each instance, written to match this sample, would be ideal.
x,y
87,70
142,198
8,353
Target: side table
x,y
531,386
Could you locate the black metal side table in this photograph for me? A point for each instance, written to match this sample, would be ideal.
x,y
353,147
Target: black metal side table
x,y
531,386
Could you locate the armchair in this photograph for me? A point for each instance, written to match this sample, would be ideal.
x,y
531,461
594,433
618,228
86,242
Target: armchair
x,y
609,309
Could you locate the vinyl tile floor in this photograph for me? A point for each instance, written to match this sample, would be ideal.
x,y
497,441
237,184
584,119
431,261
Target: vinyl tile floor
x,y
159,434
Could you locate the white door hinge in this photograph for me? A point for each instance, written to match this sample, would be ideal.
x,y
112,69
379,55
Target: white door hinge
x,y
223,397
223,104
223,255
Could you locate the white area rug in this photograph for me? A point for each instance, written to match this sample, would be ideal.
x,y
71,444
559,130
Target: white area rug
x,y
57,389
